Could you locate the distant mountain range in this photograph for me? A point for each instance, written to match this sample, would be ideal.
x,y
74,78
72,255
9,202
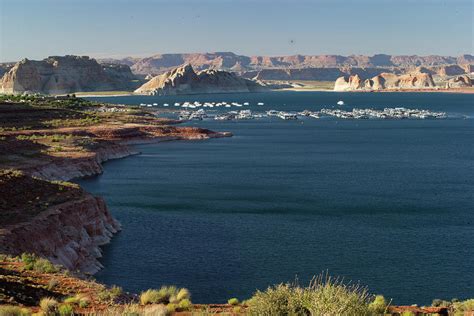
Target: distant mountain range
x,y
229,61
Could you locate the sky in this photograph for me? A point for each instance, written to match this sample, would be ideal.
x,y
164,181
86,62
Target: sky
x,y
36,29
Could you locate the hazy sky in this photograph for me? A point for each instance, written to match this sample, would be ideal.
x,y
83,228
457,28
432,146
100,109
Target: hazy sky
x,y
39,28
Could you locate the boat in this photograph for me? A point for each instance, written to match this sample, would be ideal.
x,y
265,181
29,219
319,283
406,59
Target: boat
x,y
287,116
340,102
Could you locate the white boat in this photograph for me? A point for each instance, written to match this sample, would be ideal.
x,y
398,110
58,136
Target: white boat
x,y
246,103
164,104
287,116
260,103
155,104
340,102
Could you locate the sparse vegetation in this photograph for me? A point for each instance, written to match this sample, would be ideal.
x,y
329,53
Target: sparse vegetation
x,y
463,308
324,296
65,310
10,310
110,294
378,306
32,262
172,297
49,306
233,301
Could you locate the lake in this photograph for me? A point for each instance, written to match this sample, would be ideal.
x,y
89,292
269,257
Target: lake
x,y
387,203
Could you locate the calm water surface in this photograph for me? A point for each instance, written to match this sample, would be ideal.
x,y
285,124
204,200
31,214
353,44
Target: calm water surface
x,y
389,203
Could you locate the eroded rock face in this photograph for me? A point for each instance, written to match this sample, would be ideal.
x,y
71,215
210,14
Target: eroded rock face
x,y
68,234
386,81
161,63
184,80
56,75
459,82
348,83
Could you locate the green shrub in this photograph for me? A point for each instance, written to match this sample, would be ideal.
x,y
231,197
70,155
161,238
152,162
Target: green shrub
x,y
74,300
461,308
151,296
378,305
35,263
45,266
233,301
110,294
323,296
65,310
171,308
185,305
183,294
9,310
49,306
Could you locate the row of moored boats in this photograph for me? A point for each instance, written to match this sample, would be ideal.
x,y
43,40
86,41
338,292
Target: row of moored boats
x,y
387,113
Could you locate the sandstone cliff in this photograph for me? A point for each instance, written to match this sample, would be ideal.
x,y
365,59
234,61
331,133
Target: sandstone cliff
x,y
385,81
57,221
184,80
459,82
56,75
228,61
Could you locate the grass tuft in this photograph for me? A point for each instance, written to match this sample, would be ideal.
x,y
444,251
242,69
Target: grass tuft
x,y
49,306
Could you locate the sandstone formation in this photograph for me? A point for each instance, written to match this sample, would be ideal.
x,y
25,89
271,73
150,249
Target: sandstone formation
x,y
184,80
459,82
228,61
57,75
385,81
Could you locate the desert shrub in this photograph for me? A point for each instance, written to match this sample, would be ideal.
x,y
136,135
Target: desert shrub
x,y
462,308
323,296
150,296
171,308
65,310
331,296
407,313
170,295
233,301
183,294
378,305
52,284
35,263
110,294
184,305
276,300
45,266
10,310
49,306
28,259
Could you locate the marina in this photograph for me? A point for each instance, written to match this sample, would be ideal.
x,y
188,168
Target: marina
x,y
356,114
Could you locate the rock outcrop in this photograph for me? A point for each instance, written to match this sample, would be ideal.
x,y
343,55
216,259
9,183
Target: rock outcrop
x,y
184,80
57,221
459,82
385,81
68,74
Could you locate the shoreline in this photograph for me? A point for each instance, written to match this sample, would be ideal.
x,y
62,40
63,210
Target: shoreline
x,y
459,91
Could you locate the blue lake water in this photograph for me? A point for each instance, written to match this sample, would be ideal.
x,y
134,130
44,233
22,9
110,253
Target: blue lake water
x,y
387,203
